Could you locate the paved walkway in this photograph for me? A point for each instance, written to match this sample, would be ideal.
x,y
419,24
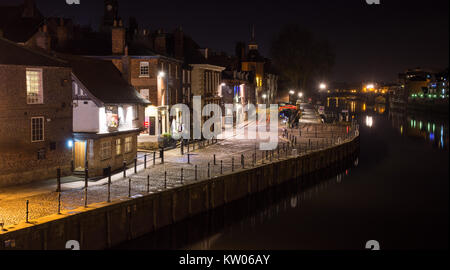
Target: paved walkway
x,y
43,200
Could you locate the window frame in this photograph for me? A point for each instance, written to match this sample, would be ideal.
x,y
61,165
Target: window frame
x,y
144,64
40,95
43,129
108,152
128,145
118,147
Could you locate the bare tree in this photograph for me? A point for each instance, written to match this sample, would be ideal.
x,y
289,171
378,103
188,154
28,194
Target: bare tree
x,y
300,57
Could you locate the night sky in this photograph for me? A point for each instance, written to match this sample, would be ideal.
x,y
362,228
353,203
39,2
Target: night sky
x,y
372,42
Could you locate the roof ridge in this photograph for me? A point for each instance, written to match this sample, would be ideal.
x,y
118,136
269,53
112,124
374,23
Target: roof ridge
x,y
34,51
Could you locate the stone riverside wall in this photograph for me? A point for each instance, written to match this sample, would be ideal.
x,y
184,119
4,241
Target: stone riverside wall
x,y
106,225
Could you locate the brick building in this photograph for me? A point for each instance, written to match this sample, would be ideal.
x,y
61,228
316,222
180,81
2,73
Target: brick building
x,y
35,115
108,116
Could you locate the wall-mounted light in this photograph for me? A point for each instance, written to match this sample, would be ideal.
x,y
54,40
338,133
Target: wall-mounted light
x,y
70,143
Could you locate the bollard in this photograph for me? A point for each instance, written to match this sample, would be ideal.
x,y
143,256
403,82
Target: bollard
x,y
209,170
135,165
148,183
232,164
182,147
161,153
129,187
145,161
109,184
189,158
58,180
26,218
124,169
196,174
221,167
59,203
243,161
215,160
165,180
254,159
86,187
181,179
154,158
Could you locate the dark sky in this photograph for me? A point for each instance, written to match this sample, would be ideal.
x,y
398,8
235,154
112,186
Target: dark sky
x,y
372,42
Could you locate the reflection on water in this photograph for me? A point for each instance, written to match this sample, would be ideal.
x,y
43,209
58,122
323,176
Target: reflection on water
x,y
203,231
411,124
425,127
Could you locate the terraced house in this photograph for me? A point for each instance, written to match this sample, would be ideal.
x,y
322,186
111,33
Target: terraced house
x,y
35,115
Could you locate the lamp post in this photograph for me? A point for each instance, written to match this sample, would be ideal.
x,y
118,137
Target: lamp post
x,y
163,75
291,93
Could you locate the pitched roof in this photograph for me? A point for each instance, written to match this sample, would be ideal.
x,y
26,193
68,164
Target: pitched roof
x,y
103,80
13,54
16,27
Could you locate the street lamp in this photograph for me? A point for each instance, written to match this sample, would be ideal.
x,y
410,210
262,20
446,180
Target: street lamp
x,y
291,92
322,86
300,95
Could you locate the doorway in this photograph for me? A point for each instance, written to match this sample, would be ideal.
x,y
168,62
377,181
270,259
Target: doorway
x,y
80,155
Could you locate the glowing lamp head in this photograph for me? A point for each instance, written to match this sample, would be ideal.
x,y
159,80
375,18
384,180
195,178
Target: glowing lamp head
x,y
370,86
162,74
70,143
264,96
322,86
300,95
291,92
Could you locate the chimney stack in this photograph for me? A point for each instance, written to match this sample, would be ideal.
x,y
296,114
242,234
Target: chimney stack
x,y
28,9
62,34
118,38
204,52
179,43
43,39
160,42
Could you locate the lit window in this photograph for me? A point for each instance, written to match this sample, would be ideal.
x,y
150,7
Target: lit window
x,y
144,71
118,147
128,144
34,86
37,129
105,151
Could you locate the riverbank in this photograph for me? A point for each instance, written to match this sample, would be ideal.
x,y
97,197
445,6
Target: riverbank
x,y
104,225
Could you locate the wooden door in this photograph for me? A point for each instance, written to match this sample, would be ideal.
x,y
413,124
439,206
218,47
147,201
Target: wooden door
x,y
80,155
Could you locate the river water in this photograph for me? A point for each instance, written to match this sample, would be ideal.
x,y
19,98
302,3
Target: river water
x,y
395,192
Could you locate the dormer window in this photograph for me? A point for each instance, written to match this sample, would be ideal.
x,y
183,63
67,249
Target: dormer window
x,y
35,92
144,69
